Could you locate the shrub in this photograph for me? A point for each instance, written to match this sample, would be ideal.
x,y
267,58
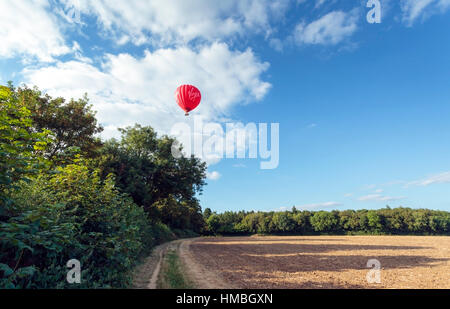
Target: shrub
x,y
72,215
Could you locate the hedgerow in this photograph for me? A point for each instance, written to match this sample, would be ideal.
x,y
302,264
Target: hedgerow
x,y
64,197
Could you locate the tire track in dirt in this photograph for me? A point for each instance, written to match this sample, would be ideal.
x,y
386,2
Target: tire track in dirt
x,y
146,275
154,280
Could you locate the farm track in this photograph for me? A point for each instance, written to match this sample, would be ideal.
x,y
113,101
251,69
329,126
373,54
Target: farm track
x,y
147,274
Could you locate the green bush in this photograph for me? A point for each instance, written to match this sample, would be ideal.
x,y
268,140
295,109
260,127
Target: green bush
x,y
161,233
185,233
72,215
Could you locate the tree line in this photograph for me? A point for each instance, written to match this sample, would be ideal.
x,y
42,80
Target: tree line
x,y
387,221
65,194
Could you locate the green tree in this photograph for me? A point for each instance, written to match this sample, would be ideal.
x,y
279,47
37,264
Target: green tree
x,y
421,219
349,221
207,213
302,222
323,221
250,223
19,148
146,169
283,222
185,215
374,221
213,224
72,123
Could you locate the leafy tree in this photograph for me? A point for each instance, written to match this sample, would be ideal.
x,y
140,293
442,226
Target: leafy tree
x,y
421,219
19,147
323,221
283,222
185,215
207,213
250,223
374,221
302,222
349,220
363,221
213,224
72,123
395,222
146,169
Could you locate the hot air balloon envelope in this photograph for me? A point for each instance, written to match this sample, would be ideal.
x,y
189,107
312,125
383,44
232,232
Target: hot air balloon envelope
x,y
188,98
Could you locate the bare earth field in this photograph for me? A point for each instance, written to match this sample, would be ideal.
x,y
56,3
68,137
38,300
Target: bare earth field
x,y
312,262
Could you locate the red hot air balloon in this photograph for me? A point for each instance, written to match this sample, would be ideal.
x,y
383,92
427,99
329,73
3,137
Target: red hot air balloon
x,y
188,98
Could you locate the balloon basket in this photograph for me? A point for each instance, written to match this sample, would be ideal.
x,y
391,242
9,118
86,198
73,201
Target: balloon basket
x,y
187,114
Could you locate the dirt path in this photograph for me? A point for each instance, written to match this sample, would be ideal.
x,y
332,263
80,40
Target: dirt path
x,y
199,275
146,275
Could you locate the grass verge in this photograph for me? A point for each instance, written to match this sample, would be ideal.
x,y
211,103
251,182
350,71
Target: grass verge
x,y
171,274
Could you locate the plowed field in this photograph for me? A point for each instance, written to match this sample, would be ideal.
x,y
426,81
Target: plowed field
x,y
325,262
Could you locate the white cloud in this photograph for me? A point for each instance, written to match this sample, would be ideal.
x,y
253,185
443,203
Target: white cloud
x,y
434,179
319,3
279,209
276,44
412,9
213,175
128,90
330,29
28,30
379,198
181,21
319,205
415,9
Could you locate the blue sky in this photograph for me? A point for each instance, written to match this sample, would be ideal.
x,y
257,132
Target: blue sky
x,y
363,108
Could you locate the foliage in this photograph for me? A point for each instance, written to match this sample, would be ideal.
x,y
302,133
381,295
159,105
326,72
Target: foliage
x,y
73,215
61,198
72,123
325,222
164,185
398,221
17,144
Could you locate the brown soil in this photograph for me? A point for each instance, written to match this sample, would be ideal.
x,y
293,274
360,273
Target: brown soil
x,y
319,262
201,277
